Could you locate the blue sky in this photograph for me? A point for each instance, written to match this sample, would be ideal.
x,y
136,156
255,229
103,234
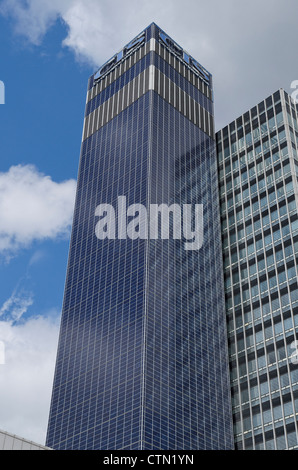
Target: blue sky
x,y
48,49
41,126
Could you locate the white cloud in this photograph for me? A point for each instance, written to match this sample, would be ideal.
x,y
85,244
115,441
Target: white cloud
x,y
36,257
93,26
33,207
34,17
27,373
15,307
249,47
27,376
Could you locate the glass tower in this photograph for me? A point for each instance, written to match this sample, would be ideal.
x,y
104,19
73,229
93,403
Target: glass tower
x,y
142,358
258,171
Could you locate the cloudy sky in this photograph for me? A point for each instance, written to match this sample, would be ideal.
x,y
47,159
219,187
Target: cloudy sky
x,y
48,49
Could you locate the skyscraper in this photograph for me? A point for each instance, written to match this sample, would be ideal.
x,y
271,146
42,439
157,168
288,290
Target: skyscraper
x,y
258,172
142,358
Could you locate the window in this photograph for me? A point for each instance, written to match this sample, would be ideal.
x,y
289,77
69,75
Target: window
x,y
253,188
244,272
250,248
291,272
244,176
277,412
252,172
266,219
257,313
274,384
247,211
284,298
272,282
276,235
248,140
259,337
268,332
252,269
285,230
279,119
281,442
271,357
270,445
261,362
278,328
261,264
281,135
246,424
288,324
254,392
274,140
286,169
254,291
268,239
267,417
252,365
274,215
259,244
279,255
264,201
245,193
294,225
239,216
266,146
292,439
284,151
294,295
257,421
256,134
288,251
284,380
288,409
264,128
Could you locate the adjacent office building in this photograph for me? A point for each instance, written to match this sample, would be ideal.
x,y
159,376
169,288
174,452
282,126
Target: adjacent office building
x,y
258,172
142,358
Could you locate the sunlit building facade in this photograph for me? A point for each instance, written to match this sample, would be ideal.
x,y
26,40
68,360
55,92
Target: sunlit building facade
x,y
258,171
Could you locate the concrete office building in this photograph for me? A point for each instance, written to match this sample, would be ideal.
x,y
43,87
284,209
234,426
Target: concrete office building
x,y
258,171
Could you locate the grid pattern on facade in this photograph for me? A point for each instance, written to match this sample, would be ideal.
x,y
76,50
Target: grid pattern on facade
x,y
97,390
135,63
185,353
142,357
258,170
190,85
149,79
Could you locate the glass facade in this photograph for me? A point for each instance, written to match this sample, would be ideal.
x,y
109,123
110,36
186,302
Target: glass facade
x,y
258,171
142,358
